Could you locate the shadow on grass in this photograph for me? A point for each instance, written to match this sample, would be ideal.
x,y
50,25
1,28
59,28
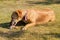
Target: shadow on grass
x,y
21,23
44,3
37,2
12,34
38,35
57,35
7,25
45,35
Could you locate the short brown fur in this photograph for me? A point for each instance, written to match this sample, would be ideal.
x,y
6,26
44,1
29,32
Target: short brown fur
x,y
34,17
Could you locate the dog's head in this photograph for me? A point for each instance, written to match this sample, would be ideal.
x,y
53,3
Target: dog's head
x,y
16,17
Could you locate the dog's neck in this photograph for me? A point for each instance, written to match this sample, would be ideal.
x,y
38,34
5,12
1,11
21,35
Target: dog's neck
x,y
24,18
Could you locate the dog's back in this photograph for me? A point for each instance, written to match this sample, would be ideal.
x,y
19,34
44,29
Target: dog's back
x,y
41,16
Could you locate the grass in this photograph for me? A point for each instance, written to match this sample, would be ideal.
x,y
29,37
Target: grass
x,y
49,31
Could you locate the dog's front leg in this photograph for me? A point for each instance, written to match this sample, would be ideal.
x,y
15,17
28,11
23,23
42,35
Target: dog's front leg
x,y
28,25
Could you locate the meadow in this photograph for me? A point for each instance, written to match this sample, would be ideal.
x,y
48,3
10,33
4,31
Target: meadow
x,y
49,31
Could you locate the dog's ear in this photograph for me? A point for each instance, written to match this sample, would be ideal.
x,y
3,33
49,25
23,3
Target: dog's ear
x,y
19,12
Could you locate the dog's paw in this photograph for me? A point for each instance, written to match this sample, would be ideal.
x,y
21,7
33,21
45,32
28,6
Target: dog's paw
x,y
24,28
11,27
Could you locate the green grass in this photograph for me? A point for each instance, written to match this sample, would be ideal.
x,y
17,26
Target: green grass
x,y
49,31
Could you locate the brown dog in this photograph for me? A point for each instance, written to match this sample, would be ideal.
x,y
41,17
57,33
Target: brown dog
x,y
32,17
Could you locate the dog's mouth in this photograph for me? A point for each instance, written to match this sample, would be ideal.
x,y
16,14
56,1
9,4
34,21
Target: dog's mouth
x,y
12,23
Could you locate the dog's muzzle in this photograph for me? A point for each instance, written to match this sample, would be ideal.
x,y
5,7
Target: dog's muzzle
x,y
12,24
